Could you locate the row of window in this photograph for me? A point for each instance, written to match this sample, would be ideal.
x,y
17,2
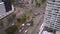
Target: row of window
x,y
55,27
58,7
53,4
54,1
55,9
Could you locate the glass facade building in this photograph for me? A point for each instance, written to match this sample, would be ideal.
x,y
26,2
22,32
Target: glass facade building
x,y
6,8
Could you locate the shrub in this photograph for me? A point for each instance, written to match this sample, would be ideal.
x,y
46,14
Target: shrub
x,y
1,24
24,19
43,1
19,20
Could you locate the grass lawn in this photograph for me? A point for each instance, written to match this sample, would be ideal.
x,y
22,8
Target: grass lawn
x,y
29,15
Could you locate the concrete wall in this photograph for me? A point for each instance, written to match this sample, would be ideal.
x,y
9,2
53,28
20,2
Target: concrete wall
x,y
2,8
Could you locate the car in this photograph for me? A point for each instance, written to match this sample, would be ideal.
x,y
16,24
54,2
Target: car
x,y
23,24
36,14
25,31
28,24
20,30
13,23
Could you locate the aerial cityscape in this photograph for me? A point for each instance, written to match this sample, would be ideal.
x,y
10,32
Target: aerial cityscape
x,y
29,16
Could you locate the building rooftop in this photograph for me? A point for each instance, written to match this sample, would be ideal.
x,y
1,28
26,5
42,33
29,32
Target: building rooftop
x,y
1,2
4,14
57,32
45,32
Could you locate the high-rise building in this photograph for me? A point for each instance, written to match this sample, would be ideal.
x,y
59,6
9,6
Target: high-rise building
x,y
7,4
6,15
5,8
52,14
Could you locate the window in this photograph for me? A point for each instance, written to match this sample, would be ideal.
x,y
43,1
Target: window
x,y
58,15
58,22
57,28
56,12
48,21
58,7
53,0
52,24
50,3
7,4
59,1
50,13
46,18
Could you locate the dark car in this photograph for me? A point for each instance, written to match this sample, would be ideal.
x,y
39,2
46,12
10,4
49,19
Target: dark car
x,y
36,14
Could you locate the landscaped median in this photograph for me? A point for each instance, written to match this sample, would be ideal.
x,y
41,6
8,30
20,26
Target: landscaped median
x,y
16,26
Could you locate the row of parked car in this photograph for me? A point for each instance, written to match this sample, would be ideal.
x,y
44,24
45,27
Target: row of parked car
x,y
29,23
25,26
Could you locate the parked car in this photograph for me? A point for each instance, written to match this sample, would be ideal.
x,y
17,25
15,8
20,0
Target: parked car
x,y
36,14
25,31
29,23
23,24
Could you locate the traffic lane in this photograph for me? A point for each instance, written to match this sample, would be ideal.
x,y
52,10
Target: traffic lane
x,y
38,26
24,27
20,32
36,21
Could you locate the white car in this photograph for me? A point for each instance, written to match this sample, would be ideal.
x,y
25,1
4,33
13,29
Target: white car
x,y
23,24
28,24
20,30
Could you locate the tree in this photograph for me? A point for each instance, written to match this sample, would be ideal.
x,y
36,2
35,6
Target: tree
x,y
24,19
43,1
9,19
1,24
11,30
38,4
19,20
14,15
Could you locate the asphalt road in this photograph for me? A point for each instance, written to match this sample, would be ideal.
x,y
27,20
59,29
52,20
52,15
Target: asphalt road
x,y
37,23
36,20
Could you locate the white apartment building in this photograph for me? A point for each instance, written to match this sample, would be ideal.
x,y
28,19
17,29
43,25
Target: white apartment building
x,y
52,14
